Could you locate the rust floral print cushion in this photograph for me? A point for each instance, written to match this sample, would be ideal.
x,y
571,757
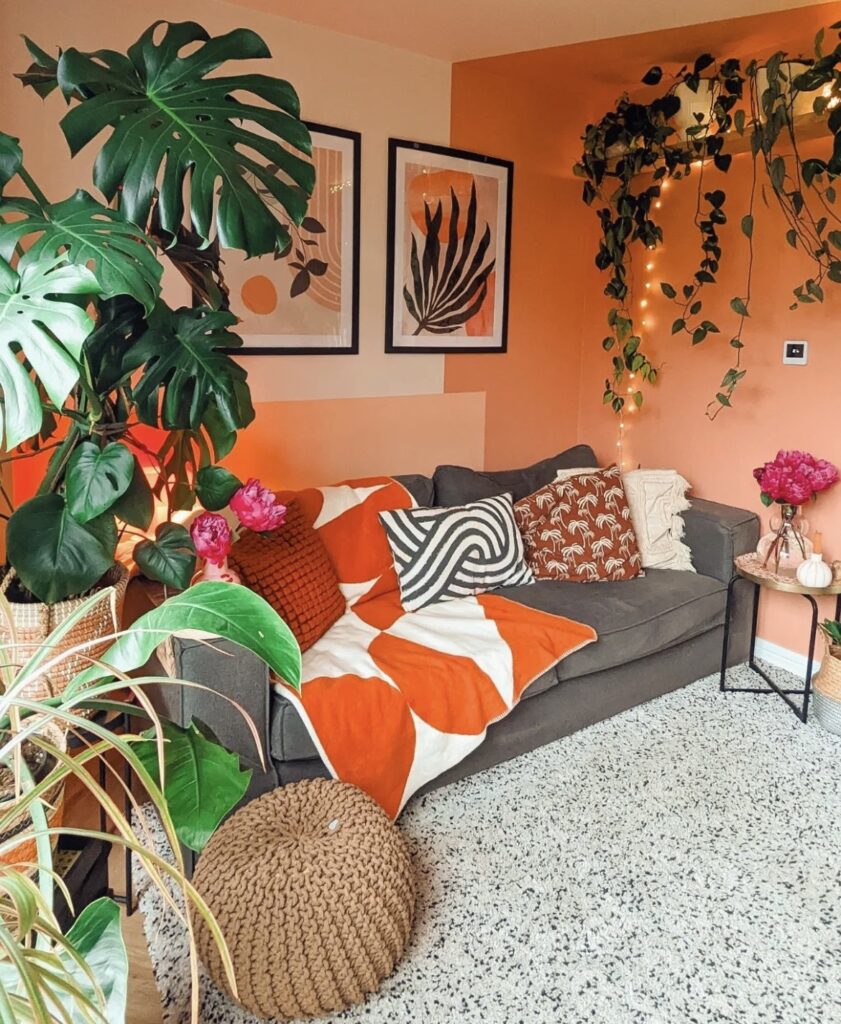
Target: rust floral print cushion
x,y
580,529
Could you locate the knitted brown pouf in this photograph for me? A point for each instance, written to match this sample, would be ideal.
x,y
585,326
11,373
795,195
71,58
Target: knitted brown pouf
x,y
312,887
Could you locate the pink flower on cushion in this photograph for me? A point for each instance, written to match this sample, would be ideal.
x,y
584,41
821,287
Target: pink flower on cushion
x,y
212,537
257,507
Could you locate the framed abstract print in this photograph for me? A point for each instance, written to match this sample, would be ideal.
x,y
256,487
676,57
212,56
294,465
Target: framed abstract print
x,y
449,242
305,301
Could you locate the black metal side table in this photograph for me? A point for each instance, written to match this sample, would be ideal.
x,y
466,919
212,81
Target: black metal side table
x,y
749,568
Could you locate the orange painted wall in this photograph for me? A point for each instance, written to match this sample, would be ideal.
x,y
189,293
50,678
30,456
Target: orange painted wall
x,y
532,390
558,318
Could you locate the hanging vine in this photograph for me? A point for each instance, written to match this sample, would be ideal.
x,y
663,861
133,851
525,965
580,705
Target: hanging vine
x,y
635,148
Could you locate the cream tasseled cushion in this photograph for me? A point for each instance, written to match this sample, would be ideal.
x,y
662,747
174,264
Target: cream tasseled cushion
x,y
312,886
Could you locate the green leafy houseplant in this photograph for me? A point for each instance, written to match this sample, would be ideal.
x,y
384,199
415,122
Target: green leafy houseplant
x,y
634,149
189,779
91,356
832,631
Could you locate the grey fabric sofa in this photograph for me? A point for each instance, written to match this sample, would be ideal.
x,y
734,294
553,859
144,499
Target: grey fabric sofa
x,y
656,634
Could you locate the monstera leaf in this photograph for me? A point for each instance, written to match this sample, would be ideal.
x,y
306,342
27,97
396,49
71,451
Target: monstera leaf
x,y
170,558
55,556
86,233
215,486
181,359
10,158
50,330
41,73
174,129
446,294
96,478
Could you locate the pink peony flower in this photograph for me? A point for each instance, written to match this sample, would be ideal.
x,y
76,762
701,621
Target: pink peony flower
x,y
793,477
212,537
257,507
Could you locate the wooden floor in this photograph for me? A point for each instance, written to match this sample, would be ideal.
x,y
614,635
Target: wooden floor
x,y
144,1003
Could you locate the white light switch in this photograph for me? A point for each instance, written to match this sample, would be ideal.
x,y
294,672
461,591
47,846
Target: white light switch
x,y
795,353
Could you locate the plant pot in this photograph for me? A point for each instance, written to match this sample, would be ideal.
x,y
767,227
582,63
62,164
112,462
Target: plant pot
x,y
24,852
695,105
827,690
802,101
33,623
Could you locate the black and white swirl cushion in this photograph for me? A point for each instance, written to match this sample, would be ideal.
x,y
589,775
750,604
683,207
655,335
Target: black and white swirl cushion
x,y
441,554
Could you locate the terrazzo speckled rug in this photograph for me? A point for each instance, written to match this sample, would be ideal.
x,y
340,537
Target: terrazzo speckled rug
x,y
678,864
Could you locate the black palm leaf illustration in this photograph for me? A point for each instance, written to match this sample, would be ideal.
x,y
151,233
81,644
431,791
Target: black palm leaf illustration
x,y
447,293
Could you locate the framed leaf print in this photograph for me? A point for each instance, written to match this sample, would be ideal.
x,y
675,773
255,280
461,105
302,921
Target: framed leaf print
x,y
305,301
449,242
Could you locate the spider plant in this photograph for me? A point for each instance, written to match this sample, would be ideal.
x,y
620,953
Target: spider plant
x,y
81,976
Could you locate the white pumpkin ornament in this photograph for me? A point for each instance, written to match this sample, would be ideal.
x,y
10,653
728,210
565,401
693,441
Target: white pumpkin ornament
x,y
814,572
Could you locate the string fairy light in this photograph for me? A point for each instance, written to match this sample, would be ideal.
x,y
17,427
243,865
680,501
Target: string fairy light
x,y
645,322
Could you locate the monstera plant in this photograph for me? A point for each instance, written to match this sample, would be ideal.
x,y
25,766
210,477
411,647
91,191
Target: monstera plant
x,y
134,399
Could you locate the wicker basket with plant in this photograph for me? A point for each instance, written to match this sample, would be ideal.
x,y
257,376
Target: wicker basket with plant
x,y
827,683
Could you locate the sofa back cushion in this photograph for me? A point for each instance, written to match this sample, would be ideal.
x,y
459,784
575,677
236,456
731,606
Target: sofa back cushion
x,y
580,529
457,485
420,487
290,568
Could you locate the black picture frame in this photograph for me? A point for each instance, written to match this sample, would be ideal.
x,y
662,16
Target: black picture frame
x,y
353,349
394,147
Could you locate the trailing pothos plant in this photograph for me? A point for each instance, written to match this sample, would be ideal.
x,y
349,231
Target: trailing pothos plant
x,y
635,148
189,784
91,356
627,157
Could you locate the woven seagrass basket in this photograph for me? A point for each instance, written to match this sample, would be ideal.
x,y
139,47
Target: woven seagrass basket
x,y
34,622
827,687
20,825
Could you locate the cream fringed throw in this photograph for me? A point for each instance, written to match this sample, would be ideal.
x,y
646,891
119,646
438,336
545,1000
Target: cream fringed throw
x,y
657,497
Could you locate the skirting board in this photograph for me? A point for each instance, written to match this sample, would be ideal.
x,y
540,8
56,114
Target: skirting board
x,y
782,657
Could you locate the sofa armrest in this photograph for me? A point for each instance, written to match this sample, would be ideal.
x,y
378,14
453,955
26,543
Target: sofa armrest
x,y
716,534
226,672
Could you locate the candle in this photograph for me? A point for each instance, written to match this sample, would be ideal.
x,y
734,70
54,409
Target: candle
x,y
817,543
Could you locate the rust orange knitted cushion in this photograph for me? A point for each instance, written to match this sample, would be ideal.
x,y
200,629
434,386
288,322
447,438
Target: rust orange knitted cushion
x,y
290,568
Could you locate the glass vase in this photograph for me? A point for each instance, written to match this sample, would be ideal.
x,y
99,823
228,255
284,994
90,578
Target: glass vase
x,y
787,545
217,573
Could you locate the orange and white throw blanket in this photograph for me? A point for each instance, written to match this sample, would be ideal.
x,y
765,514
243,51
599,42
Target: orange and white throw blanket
x,y
393,698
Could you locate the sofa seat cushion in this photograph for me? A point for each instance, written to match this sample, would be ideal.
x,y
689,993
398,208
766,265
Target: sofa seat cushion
x,y
633,618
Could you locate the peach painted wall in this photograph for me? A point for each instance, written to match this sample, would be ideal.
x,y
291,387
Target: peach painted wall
x,y
344,81
554,93
409,434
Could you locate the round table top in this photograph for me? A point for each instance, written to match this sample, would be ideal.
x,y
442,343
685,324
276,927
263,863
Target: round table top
x,y
751,568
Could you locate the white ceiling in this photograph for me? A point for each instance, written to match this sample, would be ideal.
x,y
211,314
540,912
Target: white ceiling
x,y
455,30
